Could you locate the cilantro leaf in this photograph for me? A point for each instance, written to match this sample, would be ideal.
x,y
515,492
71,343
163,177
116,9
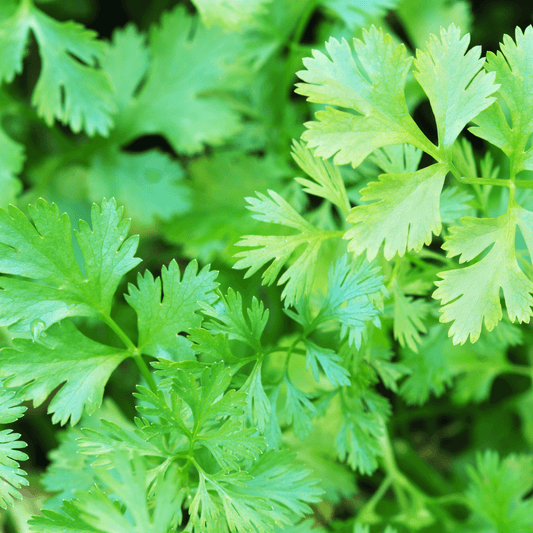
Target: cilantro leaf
x,y
68,521
177,99
357,13
299,410
161,318
511,66
70,88
62,355
124,74
11,476
373,88
429,367
95,511
51,285
455,99
497,490
409,315
230,14
395,215
327,178
300,274
348,300
227,317
471,296
149,184
328,361
362,425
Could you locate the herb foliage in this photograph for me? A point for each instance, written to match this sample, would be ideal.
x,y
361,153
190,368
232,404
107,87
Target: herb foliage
x,y
333,291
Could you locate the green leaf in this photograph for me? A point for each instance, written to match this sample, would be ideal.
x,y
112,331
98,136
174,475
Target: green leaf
x,y
284,485
300,274
299,411
409,316
218,214
363,423
373,88
71,469
328,361
232,443
459,97
11,476
149,184
389,372
404,213
161,318
497,490
358,13
511,67
189,65
471,296
126,63
70,88
50,285
327,178
10,408
62,355
227,317
258,408
428,368
68,521
231,14
94,511
349,299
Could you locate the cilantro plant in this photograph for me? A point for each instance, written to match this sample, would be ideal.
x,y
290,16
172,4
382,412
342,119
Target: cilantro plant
x,y
347,352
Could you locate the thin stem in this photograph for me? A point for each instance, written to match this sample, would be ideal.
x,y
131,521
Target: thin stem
x,y
137,357
366,513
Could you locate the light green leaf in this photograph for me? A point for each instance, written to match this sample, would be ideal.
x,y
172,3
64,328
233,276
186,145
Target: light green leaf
x,y
404,213
232,443
362,425
284,485
62,356
10,408
161,318
299,411
459,97
148,184
497,490
126,63
300,274
227,317
50,285
189,66
327,178
511,66
409,318
471,296
421,18
70,88
329,361
429,369
68,521
231,14
358,13
348,300
373,88
11,476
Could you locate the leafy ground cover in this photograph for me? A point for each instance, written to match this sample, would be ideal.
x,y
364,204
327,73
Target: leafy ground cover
x,y
266,266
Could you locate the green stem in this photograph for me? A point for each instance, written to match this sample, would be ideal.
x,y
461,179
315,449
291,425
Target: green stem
x,y
366,513
137,357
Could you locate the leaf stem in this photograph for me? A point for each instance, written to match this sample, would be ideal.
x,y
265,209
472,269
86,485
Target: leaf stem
x,y
137,357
